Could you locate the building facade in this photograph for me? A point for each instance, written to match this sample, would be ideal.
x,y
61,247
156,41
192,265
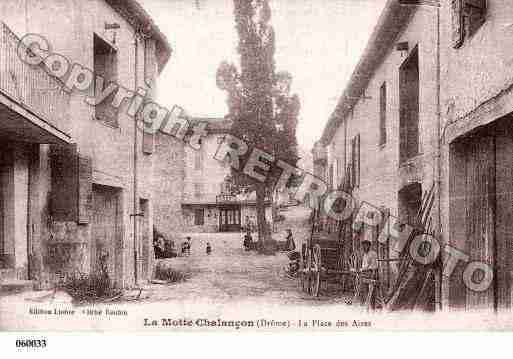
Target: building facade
x,y
383,131
429,105
210,200
75,177
381,138
476,146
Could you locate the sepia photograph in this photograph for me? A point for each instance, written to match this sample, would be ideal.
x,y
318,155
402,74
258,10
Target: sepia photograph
x,y
236,166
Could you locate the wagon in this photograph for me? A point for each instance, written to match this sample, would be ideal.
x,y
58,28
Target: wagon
x,y
325,259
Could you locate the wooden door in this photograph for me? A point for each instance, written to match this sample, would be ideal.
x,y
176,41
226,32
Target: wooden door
x,y
145,240
229,219
105,232
2,186
504,214
480,206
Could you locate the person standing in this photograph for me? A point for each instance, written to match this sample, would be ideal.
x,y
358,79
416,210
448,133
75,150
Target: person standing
x,y
290,245
368,270
189,245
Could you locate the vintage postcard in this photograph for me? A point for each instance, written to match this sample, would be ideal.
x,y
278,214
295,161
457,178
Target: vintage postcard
x,y
255,165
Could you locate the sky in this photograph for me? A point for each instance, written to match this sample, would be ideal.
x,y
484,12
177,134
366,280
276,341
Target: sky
x,y
318,41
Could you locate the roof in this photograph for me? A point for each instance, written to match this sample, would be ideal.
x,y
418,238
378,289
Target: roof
x,y
390,23
139,18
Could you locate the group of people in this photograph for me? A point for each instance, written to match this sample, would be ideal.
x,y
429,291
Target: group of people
x,y
289,246
166,248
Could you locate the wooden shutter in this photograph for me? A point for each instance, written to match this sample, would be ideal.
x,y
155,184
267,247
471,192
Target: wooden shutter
x,y
150,74
148,143
457,23
85,189
383,114
71,180
504,215
64,192
357,140
352,164
479,198
150,62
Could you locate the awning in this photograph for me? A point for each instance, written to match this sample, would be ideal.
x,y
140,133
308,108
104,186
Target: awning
x,y
17,123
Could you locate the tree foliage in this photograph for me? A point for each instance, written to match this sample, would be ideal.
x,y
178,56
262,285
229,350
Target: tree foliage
x,y
263,110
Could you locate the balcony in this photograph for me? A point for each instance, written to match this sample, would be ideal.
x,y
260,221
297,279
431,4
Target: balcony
x,y
33,105
319,152
226,198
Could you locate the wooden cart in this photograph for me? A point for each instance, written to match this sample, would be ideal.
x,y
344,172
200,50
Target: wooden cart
x,y
325,257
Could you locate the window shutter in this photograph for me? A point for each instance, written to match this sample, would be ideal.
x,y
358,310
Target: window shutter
x,y
85,189
457,23
148,137
150,62
71,196
64,181
358,160
148,143
353,162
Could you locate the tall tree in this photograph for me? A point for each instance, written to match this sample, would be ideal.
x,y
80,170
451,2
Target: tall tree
x,y
259,100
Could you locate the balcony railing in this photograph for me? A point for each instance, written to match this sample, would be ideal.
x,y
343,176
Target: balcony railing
x,y
226,198
319,153
32,87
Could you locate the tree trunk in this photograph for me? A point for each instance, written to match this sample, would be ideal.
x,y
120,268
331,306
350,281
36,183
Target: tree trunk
x,y
261,222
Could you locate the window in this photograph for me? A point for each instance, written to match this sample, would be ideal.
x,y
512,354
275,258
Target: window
x,y
383,114
198,190
409,107
467,18
198,159
339,171
330,177
199,217
355,161
105,66
474,14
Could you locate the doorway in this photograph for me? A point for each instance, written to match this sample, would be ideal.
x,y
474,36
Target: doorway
x,y
481,212
410,200
229,219
144,235
106,244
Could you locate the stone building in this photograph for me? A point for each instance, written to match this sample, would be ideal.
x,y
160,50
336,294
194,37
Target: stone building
x,y
382,133
168,187
319,160
384,126
74,176
430,103
208,202
477,146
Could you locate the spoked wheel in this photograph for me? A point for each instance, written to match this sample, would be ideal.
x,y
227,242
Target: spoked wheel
x,y
301,275
307,277
316,267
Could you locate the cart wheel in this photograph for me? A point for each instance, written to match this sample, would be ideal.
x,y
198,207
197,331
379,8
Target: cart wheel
x,y
301,275
315,283
308,272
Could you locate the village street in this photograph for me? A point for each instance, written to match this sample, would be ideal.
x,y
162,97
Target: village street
x,y
230,273
230,284
230,280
